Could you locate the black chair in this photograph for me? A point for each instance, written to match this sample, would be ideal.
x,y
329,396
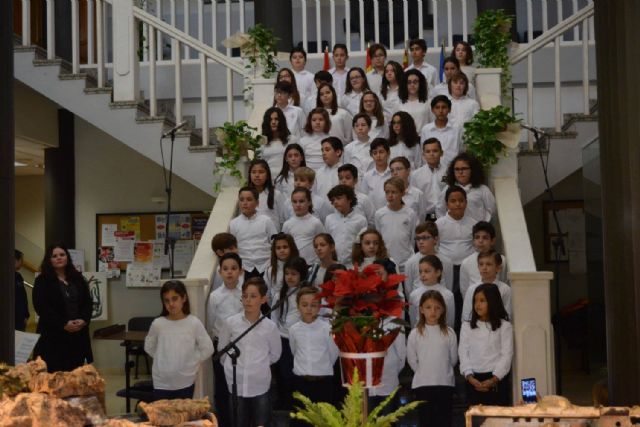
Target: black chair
x,y
142,391
137,349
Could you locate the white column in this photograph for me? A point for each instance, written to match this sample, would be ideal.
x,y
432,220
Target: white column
x,y
26,22
125,56
75,38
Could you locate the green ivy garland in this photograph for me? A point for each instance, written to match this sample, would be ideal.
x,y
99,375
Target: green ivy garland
x,y
262,50
480,134
492,35
235,139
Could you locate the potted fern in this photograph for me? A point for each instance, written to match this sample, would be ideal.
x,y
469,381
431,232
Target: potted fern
x,y
490,134
238,141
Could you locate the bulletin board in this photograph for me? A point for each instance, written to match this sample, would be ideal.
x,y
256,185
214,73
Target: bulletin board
x,y
146,228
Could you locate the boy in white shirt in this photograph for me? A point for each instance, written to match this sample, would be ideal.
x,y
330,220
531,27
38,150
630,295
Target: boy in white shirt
x,y
327,175
427,242
484,240
489,264
373,180
296,119
345,224
418,49
253,232
313,349
428,177
221,244
449,135
339,71
223,303
305,177
311,102
348,175
304,78
378,55
413,197
357,152
259,349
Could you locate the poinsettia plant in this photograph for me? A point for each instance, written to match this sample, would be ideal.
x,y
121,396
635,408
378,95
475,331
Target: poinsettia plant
x,y
363,304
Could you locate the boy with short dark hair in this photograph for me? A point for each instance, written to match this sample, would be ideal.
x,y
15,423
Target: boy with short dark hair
x,y
413,197
449,135
489,265
221,244
311,101
427,242
374,179
418,50
345,224
327,175
304,78
340,70
378,55
428,177
348,175
296,119
305,177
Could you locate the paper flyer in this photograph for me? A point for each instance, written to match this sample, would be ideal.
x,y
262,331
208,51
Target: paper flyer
x,y
182,257
197,227
108,234
131,223
142,276
123,250
98,290
161,227
159,258
143,252
24,344
107,263
77,256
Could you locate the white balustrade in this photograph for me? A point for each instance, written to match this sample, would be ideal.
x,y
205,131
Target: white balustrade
x,y
26,22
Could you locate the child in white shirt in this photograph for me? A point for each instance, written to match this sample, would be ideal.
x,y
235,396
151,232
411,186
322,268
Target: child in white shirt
x,y
316,130
463,107
313,349
432,353
259,349
178,343
357,152
294,115
271,201
355,87
277,136
253,232
292,159
283,248
327,176
303,226
396,222
489,264
413,94
340,70
418,50
413,197
345,224
325,248
456,228
443,129
348,175
222,243
341,119
370,105
430,278
373,180
427,242
428,177
404,140
486,349
368,248
305,177
304,78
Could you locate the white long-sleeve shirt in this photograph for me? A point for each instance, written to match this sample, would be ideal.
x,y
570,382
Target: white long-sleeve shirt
x,y
413,154
287,314
277,214
274,285
429,180
273,154
254,240
313,349
341,125
481,203
414,301
339,80
351,102
321,207
398,231
463,110
305,84
428,71
373,184
357,153
304,229
295,119
482,350
259,349
455,237
450,138
415,199
412,271
391,105
178,347
432,356
470,275
312,145
345,230
366,208
326,179
467,305
420,111
223,303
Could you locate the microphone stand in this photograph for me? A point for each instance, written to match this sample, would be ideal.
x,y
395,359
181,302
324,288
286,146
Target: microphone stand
x,y
169,241
559,250
233,351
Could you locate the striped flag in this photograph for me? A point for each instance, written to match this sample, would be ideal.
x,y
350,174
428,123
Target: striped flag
x,y
405,57
326,66
367,65
442,57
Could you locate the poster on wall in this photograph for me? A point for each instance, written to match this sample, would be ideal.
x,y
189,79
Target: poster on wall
x,y
143,252
77,256
108,234
159,258
98,290
107,263
131,223
182,257
197,227
142,276
123,250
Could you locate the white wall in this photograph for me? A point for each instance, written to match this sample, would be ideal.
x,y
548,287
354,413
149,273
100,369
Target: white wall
x,y
110,177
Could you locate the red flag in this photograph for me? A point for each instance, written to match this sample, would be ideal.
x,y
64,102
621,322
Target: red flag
x,y
367,66
405,57
326,65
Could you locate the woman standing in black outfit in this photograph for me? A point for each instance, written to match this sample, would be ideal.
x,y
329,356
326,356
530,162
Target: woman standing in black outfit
x,y
61,299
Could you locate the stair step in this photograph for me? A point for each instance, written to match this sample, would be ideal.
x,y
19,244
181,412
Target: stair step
x,y
72,76
571,118
98,90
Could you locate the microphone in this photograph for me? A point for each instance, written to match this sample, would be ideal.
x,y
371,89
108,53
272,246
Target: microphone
x,y
534,129
175,128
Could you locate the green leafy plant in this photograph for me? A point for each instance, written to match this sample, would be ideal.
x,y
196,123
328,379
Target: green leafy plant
x,y
481,134
236,139
351,413
492,35
261,51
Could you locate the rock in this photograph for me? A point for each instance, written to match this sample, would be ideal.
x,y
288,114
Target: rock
x,y
91,407
16,422
177,411
82,381
43,411
118,423
14,380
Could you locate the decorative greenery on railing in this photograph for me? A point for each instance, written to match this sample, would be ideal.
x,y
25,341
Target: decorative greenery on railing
x,y
261,50
236,139
481,134
492,35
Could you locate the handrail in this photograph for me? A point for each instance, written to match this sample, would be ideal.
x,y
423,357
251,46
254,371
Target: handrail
x,y
190,41
29,266
550,35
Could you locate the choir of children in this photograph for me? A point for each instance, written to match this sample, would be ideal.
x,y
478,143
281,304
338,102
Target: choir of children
x,y
378,177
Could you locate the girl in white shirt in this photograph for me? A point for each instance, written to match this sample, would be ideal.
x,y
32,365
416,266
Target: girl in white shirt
x,y
325,248
340,118
277,136
355,87
368,248
303,226
432,354
317,128
451,67
430,270
271,201
463,108
287,75
391,80
292,159
413,95
486,349
286,315
466,171
404,140
178,343
283,248
370,105
464,54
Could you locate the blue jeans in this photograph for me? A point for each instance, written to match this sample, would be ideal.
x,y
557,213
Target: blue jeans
x,y
183,393
252,411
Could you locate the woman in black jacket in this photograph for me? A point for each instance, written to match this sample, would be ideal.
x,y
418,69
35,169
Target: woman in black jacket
x,y
61,299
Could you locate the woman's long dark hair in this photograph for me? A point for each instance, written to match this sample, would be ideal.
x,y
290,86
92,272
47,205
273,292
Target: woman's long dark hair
x,y
334,102
284,173
403,90
300,265
295,95
178,287
268,185
365,84
283,130
408,134
48,272
497,312
477,171
399,72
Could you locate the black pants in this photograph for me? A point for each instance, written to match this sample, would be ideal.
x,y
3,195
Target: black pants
x,y
457,298
183,393
252,411
285,375
436,411
317,389
497,396
221,394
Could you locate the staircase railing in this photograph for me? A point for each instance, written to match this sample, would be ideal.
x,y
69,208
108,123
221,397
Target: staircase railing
x,y
581,23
